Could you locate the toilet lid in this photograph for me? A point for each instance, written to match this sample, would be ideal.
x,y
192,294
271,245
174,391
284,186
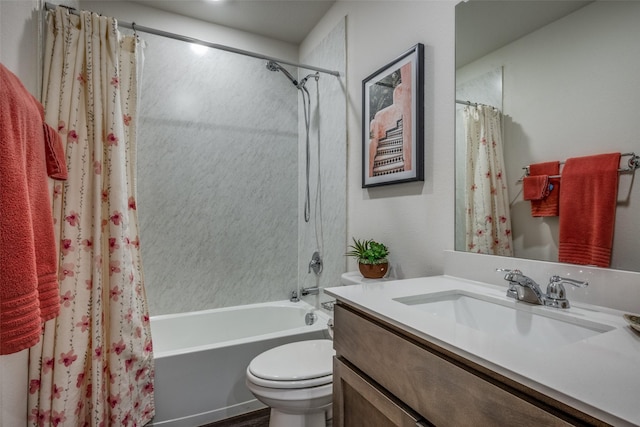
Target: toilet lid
x,y
295,361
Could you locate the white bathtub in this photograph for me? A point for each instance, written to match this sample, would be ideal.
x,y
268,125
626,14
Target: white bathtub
x,y
201,357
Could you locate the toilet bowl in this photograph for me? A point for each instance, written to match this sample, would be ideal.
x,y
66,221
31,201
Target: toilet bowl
x,y
295,381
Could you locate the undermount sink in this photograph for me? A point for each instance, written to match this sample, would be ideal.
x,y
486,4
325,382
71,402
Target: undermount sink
x,y
519,323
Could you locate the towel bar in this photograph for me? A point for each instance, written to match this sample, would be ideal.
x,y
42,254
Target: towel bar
x,y
632,165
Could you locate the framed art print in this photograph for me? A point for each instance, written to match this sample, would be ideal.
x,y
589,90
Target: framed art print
x,y
393,121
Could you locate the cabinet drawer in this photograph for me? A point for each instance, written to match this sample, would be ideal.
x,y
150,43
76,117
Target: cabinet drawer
x,y
441,390
359,403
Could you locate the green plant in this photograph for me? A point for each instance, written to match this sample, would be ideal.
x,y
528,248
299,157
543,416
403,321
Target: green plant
x,y
368,251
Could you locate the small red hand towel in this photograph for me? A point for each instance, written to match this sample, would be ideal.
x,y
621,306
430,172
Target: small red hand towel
x,y
549,205
54,153
588,209
535,187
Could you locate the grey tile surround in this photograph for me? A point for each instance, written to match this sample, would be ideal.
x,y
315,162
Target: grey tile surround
x,y
221,176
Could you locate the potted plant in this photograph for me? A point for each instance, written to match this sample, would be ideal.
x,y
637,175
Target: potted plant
x,y
371,256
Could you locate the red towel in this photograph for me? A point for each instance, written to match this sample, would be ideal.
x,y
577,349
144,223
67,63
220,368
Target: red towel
x,y
588,209
29,292
535,187
54,154
549,205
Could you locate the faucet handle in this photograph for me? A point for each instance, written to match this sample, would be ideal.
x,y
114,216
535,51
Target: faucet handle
x,y
509,270
294,297
316,263
511,274
568,281
556,294
512,292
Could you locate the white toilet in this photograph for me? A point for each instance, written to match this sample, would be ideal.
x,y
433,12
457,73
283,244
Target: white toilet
x,y
295,379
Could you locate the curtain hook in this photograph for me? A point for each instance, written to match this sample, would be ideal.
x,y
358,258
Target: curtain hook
x,y
133,27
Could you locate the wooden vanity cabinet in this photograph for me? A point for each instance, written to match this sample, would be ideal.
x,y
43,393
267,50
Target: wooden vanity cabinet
x,y
385,376
358,402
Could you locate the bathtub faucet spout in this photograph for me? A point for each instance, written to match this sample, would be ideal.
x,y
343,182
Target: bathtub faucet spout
x,y
309,291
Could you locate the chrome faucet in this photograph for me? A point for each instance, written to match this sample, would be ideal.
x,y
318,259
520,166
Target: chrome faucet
x,y
309,291
523,288
556,294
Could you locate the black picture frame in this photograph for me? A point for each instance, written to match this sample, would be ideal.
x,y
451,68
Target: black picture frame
x,y
393,121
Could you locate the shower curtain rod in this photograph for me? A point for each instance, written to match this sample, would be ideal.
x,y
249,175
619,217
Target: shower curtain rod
x,y
472,104
135,27
476,104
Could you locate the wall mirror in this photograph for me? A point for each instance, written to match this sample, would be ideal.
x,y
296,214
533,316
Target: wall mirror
x,y
566,76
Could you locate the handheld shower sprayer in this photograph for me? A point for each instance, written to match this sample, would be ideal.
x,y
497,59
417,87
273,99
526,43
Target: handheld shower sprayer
x,y
309,76
274,66
306,104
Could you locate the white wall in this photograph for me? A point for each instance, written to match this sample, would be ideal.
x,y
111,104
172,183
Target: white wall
x,y
414,219
570,90
19,40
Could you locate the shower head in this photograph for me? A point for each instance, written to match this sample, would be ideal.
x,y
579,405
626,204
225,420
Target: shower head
x,y
274,66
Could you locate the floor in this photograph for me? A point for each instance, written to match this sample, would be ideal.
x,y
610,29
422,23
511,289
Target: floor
x,y
253,419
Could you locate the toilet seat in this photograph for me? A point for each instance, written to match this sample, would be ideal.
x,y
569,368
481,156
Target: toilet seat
x,y
302,384
300,364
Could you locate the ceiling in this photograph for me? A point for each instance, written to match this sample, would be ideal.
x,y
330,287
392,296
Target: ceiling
x,y
483,26
286,20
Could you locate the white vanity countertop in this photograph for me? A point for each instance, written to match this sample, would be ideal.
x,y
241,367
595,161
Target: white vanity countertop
x,y
599,375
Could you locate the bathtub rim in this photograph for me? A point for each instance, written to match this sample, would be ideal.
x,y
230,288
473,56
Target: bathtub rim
x,y
320,324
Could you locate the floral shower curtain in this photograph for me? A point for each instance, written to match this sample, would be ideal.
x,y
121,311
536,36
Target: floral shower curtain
x,y
94,363
487,202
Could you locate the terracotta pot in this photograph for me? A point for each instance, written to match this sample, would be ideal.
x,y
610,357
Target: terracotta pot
x,y
373,271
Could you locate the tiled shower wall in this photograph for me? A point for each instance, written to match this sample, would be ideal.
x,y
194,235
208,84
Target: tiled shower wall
x,y
327,228
218,178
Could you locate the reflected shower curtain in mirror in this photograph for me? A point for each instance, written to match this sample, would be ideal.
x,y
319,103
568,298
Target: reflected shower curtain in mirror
x,y
487,203
94,363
